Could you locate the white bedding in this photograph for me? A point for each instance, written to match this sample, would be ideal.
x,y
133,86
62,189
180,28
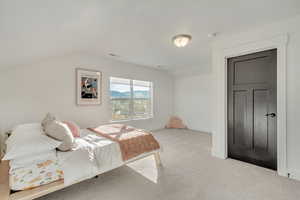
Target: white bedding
x,y
93,155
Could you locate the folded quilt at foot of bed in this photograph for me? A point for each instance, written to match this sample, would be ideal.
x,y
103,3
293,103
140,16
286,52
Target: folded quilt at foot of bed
x,y
133,142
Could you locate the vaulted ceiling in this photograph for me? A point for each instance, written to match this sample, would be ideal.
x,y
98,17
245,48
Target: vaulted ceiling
x,y
139,31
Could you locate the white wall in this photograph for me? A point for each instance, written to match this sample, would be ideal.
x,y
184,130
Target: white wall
x,y
28,92
292,28
192,100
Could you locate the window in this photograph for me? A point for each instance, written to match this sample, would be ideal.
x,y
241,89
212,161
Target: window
x,y
130,99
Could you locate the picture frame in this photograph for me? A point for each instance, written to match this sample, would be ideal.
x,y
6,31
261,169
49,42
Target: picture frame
x,y
89,87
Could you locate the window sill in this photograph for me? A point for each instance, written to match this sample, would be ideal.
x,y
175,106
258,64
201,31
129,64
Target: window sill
x,y
128,120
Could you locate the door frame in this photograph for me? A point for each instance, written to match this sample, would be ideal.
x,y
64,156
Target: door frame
x,y
220,56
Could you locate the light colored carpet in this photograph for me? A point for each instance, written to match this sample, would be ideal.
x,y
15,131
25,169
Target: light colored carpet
x,y
189,172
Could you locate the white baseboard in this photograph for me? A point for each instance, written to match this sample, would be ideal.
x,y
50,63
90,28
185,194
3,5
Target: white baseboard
x,y
217,154
295,175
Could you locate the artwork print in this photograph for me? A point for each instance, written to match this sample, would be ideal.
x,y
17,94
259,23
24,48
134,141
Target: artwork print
x,y
88,87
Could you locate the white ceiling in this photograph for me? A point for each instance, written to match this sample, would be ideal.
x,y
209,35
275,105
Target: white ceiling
x,y
139,31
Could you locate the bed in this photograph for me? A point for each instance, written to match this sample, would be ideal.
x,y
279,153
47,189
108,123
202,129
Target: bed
x,y
98,150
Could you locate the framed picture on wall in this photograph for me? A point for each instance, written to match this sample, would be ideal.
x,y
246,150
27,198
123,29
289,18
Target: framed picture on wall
x,y
89,84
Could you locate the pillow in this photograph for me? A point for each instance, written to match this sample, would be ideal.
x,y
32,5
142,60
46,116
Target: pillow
x,y
22,131
27,126
49,118
60,131
31,141
73,127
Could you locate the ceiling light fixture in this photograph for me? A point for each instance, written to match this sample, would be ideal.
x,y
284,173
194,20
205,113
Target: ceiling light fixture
x,y
181,40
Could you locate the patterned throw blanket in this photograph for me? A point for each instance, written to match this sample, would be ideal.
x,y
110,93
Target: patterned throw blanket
x,y
133,142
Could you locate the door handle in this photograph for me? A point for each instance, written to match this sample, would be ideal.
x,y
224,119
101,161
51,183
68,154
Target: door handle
x,y
271,115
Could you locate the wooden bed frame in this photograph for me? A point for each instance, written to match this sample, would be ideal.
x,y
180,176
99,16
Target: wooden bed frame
x,y
5,193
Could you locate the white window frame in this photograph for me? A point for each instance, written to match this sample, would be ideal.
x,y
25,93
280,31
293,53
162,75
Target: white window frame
x,y
131,108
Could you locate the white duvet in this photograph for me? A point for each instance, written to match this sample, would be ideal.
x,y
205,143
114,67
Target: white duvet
x,y
93,155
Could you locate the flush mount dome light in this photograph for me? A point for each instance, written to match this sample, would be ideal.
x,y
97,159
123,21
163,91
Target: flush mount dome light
x,y
181,40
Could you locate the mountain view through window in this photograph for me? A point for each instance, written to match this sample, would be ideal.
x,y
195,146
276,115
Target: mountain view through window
x,y
130,99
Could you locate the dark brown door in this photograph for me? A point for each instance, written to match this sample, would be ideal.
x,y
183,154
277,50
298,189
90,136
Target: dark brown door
x,y
252,108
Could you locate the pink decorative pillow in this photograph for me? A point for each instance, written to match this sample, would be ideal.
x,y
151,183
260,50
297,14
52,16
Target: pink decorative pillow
x,y
73,127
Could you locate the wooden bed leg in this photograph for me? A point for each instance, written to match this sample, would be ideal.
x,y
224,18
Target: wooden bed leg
x,y
157,159
4,180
